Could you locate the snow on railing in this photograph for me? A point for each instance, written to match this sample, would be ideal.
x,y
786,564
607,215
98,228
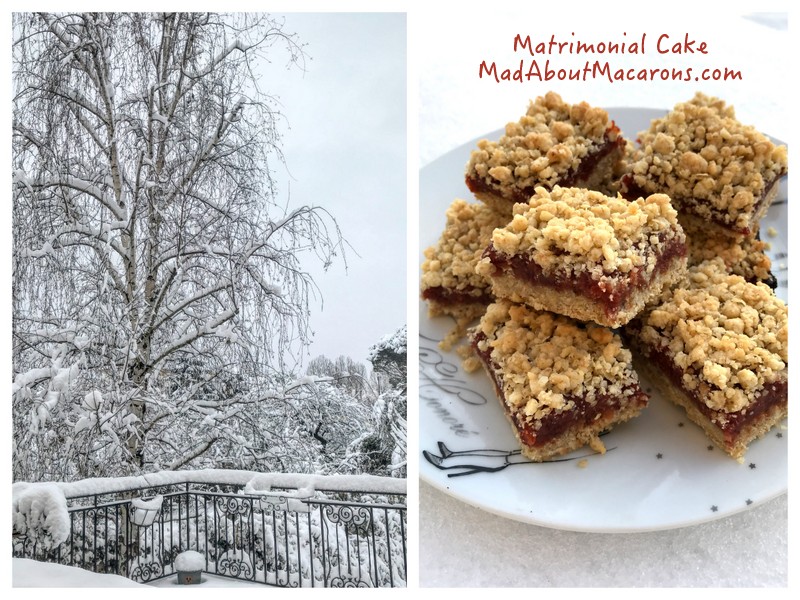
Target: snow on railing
x,y
280,529
327,483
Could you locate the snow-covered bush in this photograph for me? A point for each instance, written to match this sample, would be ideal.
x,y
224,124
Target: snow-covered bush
x,y
39,511
389,356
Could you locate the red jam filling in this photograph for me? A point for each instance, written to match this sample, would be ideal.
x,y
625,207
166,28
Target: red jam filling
x,y
730,424
449,297
612,292
582,414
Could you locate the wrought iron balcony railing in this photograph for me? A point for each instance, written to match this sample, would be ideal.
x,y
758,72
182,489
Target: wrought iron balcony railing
x,y
279,537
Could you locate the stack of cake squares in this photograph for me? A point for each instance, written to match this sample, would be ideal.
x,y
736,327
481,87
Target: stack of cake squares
x,y
717,344
588,258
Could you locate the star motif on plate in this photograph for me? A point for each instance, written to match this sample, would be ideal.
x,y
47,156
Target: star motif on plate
x,y
752,465
748,502
714,508
659,456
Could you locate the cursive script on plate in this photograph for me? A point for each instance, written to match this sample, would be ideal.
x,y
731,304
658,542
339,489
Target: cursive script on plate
x,y
440,382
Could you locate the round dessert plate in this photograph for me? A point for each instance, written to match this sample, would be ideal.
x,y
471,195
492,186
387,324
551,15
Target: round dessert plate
x,y
659,471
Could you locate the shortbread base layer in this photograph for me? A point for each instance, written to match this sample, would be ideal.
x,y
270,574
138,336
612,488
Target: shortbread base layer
x,y
464,314
459,304
576,436
579,306
737,447
460,312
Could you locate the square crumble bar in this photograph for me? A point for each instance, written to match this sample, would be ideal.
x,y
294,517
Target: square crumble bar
x,y
717,345
561,382
585,255
554,143
718,172
449,284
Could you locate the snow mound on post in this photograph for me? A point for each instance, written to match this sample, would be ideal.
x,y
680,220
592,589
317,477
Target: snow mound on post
x,y
40,511
305,485
263,483
190,560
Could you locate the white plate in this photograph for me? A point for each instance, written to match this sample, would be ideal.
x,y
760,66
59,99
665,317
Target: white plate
x,y
659,472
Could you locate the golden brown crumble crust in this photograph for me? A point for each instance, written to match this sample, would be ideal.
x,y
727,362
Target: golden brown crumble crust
x,y
702,155
574,230
545,358
546,144
744,256
730,337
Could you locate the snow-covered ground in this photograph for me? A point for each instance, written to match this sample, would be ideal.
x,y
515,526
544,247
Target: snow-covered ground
x,y
30,573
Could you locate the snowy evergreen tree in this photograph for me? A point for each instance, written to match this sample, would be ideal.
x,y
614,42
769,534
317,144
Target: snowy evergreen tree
x,y
383,450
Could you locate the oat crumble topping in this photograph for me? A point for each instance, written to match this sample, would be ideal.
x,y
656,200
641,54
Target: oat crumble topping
x,y
730,337
746,257
451,263
701,152
546,144
574,230
548,359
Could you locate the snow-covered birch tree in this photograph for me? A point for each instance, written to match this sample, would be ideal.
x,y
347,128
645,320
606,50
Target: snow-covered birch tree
x,y
158,282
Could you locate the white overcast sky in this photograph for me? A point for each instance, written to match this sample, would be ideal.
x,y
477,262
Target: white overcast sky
x,y
345,150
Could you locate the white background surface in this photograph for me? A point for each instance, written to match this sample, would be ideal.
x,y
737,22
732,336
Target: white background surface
x,y
463,546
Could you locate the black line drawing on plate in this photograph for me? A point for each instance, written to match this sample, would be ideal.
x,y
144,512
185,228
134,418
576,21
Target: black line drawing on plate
x,y
492,460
